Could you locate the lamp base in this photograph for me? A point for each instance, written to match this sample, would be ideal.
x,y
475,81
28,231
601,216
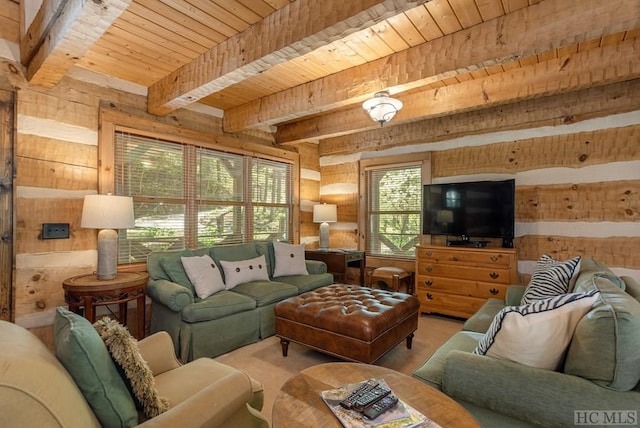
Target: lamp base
x,y
107,254
324,235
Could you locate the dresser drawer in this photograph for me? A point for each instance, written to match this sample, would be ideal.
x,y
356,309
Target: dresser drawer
x,y
473,257
462,287
484,274
448,304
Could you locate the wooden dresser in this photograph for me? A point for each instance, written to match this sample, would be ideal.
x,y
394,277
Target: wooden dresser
x,y
457,280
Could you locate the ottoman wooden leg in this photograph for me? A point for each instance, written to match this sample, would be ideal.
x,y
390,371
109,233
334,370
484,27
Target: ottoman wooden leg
x,y
409,340
285,346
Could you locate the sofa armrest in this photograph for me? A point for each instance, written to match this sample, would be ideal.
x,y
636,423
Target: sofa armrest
x,y
158,351
214,406
534,395
514,295
170,294
316,266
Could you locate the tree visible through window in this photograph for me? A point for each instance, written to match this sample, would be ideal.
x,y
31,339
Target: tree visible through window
x,y
394,199
187,196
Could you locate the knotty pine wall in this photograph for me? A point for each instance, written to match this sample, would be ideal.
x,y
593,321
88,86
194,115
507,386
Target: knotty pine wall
x,y
575,158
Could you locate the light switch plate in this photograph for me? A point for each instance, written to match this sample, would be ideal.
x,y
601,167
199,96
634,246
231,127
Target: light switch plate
x,y
55,230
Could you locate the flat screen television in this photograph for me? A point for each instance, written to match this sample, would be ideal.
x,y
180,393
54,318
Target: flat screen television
x,y
479,209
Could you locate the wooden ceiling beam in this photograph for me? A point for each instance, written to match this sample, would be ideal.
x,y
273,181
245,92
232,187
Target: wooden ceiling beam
x,y
61,33
591,68
562,109
554,24
289,32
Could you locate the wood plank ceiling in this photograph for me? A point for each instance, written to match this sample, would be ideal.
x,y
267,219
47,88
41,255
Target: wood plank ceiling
x,y
302,68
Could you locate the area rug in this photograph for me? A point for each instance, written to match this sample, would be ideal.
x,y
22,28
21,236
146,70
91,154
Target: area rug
x,y
264,361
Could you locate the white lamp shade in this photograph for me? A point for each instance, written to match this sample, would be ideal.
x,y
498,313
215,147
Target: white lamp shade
x,y
325,213
107,212
381,107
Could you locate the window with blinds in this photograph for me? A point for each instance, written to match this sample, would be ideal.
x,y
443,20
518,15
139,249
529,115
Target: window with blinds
x,y
394,201
187,196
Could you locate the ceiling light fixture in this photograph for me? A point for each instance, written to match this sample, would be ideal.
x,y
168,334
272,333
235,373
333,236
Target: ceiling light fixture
x,y
382,107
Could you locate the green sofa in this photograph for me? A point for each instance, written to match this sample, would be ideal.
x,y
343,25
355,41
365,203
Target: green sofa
x,y
227,319
601,368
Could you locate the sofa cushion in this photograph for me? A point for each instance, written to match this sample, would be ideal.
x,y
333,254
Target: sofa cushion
x,y
432,369
590,267
481,320
234,252
536,334
309,282
289,259
550,278
266,292
204,274
83,353
243,271
631,287
217,306
172,266
137,374
606,345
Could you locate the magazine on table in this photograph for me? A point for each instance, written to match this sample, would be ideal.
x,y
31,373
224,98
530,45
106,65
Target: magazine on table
x,y
402,415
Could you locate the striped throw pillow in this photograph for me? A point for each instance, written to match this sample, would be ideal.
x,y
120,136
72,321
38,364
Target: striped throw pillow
x,y
550,278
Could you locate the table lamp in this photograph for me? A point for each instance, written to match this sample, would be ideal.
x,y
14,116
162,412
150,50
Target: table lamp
x,y
107,212
324,214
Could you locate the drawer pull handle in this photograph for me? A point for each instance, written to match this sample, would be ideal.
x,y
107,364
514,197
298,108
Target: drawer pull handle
x,y
454,259
429,296
428,268
428,283
428,253
493,291
494,275
494,258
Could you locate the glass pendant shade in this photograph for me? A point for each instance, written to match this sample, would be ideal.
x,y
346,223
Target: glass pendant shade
x,y
382,107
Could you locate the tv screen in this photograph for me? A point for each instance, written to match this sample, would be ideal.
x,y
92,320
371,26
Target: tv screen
x,y
482,209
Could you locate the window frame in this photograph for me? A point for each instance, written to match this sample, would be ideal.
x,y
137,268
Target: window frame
x,y
365,165
113,120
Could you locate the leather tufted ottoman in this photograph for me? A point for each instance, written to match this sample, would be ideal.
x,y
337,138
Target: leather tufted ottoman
x,y
348,321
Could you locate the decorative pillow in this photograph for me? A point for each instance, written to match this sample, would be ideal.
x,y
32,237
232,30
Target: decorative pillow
x,y
86,358
289,259
124,351
550,278
203,274
174,269
537,334
244,271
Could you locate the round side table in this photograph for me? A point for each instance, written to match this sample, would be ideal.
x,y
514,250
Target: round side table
x,y
88,291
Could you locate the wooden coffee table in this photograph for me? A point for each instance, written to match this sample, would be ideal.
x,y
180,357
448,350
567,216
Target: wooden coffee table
x,y
298,404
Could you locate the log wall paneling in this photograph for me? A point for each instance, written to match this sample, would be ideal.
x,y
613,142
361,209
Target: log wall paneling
x,y
612,251
7,211
575,150
28,227
309,190
617,201
347,206
57,175
342,173
309,156
39,290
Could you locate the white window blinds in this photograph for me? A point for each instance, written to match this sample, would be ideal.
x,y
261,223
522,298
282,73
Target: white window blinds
x,y
187,196
394,200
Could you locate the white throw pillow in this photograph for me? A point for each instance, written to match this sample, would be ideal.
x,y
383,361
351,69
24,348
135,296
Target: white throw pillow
x,y
550,278
537,334
289,259
203,274
244,271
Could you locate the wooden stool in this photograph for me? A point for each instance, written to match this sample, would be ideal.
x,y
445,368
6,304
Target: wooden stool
x,y
391,277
